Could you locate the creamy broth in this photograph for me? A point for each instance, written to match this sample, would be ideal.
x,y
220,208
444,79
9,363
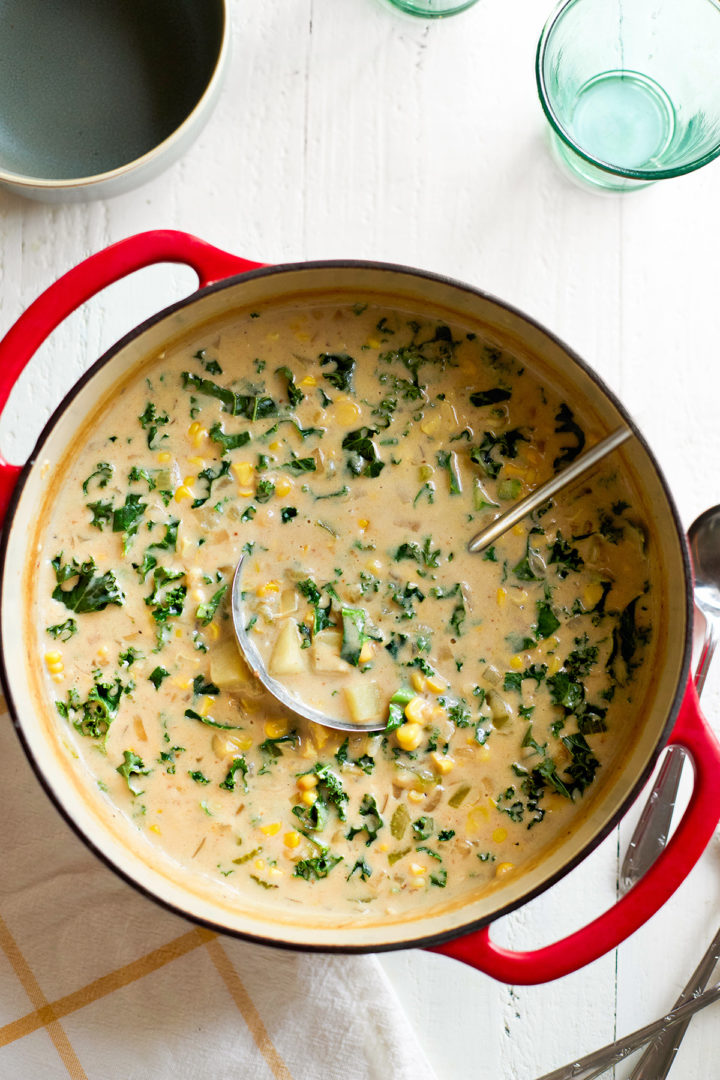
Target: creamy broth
x,y
349,452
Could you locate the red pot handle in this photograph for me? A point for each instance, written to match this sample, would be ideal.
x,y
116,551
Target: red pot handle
x,y
646,898
82,283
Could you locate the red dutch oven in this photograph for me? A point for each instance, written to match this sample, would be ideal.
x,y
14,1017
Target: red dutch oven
x,y
669,713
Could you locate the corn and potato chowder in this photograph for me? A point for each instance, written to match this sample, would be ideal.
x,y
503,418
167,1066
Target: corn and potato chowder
x,y
349,452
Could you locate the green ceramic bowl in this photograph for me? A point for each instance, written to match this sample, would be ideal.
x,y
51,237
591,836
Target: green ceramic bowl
x,y
97,96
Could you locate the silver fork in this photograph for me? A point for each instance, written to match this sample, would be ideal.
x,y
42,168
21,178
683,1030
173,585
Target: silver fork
x,y
659,1057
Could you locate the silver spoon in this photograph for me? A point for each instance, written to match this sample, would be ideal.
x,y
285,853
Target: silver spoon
x,y
478,543
277,689
652,830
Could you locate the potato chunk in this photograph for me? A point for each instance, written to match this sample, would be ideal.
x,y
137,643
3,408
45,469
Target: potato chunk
x,y
228,670
287,657
363,702
325,652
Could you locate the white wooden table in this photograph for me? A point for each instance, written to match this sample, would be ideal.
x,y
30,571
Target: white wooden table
x,y
347,130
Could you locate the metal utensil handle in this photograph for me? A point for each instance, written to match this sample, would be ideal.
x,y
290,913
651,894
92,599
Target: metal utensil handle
x,y
658,1059
708,651
546,491
595,1064
653,828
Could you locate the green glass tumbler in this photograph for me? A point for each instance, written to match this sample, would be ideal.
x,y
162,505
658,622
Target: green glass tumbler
x,y
631,89
431,9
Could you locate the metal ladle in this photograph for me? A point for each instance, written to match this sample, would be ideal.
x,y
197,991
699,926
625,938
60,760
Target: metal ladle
x,y
479,542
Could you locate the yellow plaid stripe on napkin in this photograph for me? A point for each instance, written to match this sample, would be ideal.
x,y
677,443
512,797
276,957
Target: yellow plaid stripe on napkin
x,y
99,983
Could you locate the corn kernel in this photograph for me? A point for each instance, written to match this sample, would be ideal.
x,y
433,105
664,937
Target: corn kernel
x,y
519,597
56,667
57,676
206,706
416,868
259,864
199,437
501,597
183,682
442,763
268,588
53,657
283,486
554,665
245,493
275,872
373,343
409,736
418,681
518,529
415,710
183,492
383,847
309,798
346,412
592,595
366,652
213,631
516,663
275,445
499,834
272,829
308,380
292,839
436,684
194,428
415,796
374,566
307,781
504,868
483,752
417,882
533,456
198,462
476,819
243,472
431,425
437,714
155,829
164,457
363,523
275,729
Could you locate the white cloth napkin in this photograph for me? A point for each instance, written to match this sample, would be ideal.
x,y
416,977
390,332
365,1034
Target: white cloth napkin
x,y
98,982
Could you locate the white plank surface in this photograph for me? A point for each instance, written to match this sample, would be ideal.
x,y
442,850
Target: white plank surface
x,y
347,130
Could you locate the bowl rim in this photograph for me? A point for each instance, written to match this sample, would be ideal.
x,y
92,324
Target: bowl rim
x,y
22,182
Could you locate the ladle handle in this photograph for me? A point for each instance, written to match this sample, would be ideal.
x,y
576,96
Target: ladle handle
x,y
84,281
540,495
692,835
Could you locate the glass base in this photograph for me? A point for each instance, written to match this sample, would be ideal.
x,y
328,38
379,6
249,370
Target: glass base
x,y
430,9
588,176
624,118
